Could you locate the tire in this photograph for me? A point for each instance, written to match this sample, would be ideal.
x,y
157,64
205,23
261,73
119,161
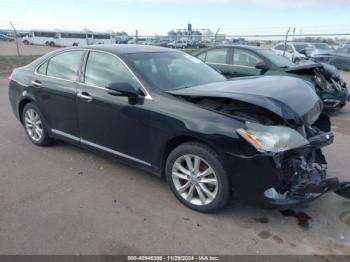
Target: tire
x,y
26,42
219,186
32,122
51,44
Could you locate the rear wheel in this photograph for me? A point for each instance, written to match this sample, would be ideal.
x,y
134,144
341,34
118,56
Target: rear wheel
x,y
34,126
197,177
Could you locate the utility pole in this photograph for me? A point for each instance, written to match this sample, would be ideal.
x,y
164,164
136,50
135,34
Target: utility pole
x,y
136,35
18,61
285,42
217,32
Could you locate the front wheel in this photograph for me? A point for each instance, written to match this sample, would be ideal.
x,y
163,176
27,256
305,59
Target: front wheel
x,y
296,60
197,178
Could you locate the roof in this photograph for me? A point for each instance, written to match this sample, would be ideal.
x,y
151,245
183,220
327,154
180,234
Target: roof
x,y
128,48
253,48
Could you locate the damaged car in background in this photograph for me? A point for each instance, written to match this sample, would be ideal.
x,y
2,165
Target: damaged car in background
x,y
257,139
240,61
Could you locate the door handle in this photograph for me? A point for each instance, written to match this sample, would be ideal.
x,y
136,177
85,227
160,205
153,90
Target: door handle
x,y
36,83
85,96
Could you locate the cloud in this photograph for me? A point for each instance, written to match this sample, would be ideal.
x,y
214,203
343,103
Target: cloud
x,y
271,4
268,4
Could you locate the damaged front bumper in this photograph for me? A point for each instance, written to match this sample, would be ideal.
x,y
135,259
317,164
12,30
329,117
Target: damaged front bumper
x,y
303,175
308,189
290,178
333,102
337,97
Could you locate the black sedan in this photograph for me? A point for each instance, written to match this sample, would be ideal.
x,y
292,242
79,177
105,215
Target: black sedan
x,y
171,114
341,58
238,61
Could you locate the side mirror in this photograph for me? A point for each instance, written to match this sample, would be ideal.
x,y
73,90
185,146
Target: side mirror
x,y
262,66
123,89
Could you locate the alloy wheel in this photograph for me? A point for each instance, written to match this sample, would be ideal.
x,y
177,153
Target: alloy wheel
x,y
195,180
33,125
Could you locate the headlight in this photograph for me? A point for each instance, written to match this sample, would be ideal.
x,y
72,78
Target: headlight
x,y
272,138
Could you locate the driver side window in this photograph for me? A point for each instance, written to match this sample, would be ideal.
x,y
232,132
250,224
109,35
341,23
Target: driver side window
x,y
243,57
103,69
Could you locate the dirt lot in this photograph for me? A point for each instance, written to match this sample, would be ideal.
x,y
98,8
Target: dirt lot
x,y
8,54
9,49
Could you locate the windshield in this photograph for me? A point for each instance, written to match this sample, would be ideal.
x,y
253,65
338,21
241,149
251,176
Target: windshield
x,y
277,60
300,47
173,70
322,46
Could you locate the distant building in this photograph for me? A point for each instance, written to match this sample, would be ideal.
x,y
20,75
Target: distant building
x,y
172,35
196,35
185,34
207,35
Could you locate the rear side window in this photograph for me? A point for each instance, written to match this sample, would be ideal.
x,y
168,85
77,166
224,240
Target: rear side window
x,y
42,69
217,56
65,65
245,58
104,69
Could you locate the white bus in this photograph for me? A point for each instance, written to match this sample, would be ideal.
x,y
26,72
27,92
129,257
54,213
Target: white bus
x,y
71,38
38,37
101,38
80,38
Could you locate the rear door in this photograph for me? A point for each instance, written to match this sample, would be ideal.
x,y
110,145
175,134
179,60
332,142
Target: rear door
x,y
55,86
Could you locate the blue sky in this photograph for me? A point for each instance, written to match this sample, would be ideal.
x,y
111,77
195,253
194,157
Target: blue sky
x,y
156,16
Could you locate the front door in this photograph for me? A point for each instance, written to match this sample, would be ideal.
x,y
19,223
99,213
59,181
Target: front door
x,y
109,122
89,39
243,63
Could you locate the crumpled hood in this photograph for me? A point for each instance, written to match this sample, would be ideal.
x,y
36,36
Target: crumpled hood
x,y
297,68
327,69
290,98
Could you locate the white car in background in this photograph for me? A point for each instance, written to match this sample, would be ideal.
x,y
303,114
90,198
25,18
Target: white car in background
x,y
294,51
178,44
